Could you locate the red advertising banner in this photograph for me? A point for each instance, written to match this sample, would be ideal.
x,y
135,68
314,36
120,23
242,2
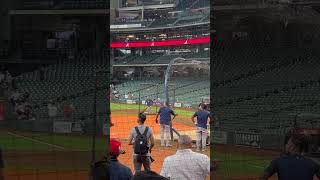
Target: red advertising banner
x,y
182,42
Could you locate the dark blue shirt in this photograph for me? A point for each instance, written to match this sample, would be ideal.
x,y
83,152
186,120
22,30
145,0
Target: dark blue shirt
x,y
119,171
149,102
293,167
165,115
202,117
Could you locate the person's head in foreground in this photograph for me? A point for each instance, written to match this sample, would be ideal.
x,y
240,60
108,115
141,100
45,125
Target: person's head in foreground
x,y
148,175
115,149
117,170
293,165
141,118
184,142
186,164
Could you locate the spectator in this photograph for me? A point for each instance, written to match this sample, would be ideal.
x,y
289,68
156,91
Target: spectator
x,y
52,110
186,164
101,170
146,175
68,110
165,123
293,165
203,117
142,152
1,166
118,171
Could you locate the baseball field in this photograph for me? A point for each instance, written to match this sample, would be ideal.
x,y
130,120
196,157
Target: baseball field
x,y
37,156
233,162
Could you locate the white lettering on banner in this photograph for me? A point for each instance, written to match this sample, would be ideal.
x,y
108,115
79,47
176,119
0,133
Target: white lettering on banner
x,y
129,101
248,139
76,127
62,127
177,105
143,102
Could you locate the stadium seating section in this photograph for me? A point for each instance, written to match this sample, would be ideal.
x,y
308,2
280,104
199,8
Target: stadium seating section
x,y
71,82
263,89
161,58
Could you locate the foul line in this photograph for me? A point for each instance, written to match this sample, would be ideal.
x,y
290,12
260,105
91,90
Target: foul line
x,y
36,141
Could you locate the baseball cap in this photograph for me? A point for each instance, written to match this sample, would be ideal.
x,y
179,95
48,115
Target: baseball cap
x,y
115,148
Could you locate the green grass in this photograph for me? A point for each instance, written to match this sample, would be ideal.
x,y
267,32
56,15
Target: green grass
x,y
230,164
237,165
77,143
134,107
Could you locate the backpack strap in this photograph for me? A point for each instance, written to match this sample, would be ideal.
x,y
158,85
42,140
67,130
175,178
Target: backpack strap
x,y
146,131
137,130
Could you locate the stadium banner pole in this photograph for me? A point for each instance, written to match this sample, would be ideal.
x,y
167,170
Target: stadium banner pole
x,y
139,100
157,98
166,90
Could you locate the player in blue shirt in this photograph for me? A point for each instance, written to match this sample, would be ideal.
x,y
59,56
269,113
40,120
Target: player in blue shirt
x,y
203,118
165,114
293,165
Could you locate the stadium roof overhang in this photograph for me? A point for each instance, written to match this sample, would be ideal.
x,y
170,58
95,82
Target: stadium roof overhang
x,y
158,28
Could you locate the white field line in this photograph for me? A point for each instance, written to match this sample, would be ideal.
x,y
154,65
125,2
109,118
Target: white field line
x,y
36,141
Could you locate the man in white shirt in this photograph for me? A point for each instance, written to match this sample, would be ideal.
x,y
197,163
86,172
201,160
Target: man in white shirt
x,y
186,164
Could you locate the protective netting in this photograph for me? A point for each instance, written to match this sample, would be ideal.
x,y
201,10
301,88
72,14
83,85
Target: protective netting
x,y
50,121
264,87
131,96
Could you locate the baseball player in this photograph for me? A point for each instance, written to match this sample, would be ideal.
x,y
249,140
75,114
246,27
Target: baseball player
x,y
203,119
165,114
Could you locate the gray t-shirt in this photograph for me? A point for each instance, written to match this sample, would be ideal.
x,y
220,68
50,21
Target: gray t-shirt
x,y
141,128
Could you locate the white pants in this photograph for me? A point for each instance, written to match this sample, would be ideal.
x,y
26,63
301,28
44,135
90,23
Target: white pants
x,y
202,135
165,129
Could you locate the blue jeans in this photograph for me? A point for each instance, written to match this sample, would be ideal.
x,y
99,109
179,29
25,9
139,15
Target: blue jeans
x,y
138,161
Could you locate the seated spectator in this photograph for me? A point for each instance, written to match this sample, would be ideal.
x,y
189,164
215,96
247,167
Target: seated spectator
x,y
118,171
293,165
1,166
146,175
186,164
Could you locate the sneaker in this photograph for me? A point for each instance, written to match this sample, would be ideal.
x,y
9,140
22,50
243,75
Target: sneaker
x,y
203,150
169,145
198,150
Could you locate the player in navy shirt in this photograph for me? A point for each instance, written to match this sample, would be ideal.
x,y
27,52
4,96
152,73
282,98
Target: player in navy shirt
x,y
203,117
293,165
165,114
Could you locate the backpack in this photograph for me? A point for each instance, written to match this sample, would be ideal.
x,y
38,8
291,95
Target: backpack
x,y
141,142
